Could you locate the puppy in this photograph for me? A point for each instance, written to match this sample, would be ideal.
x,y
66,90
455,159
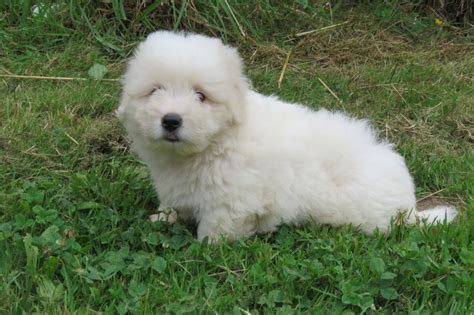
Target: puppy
x,y
238,162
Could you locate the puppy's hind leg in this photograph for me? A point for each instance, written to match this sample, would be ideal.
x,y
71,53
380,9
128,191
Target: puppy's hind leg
x,y
165,214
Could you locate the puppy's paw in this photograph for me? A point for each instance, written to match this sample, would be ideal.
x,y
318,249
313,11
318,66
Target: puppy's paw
x,y
167,215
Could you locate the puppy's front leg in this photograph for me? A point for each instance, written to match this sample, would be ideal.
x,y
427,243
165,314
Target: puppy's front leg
x,y
166,214
220,224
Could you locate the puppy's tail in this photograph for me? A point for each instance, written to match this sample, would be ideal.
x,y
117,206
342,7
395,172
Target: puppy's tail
x,y
436,215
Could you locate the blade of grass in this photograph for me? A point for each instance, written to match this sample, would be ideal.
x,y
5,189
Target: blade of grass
x,y
181,13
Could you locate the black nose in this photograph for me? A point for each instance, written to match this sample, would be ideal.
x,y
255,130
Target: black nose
x,y
171,121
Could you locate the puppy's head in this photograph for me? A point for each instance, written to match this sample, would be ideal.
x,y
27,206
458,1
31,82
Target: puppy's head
x,y
181,91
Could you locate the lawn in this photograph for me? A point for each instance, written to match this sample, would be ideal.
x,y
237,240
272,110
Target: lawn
x,y
75,201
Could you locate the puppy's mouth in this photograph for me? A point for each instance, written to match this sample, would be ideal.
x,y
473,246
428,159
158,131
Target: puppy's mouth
x,y
171,137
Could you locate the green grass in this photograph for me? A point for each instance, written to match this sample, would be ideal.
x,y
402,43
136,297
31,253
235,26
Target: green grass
x,y
74,201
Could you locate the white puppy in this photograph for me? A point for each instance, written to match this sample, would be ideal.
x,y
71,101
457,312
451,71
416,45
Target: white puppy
x,y
240,163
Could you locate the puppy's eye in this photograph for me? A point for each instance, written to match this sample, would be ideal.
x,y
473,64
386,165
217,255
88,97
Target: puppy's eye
x,y
156,88
201,96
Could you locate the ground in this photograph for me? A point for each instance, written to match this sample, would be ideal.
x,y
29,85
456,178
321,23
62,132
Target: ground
x,y
74,201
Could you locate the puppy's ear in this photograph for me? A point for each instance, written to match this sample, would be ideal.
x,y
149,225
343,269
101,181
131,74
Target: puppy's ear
x,y
120,111
240,84
233,60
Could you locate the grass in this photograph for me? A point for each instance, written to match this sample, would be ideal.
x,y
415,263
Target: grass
x,y
74,201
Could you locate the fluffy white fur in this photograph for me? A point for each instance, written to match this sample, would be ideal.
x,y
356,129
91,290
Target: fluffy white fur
x,y
246,163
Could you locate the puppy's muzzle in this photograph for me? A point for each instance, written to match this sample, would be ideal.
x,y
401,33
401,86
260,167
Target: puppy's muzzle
x,y
170,123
